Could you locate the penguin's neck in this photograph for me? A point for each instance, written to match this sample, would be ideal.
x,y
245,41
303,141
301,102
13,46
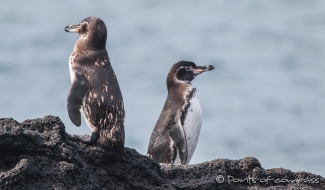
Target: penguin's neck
x,y
84,45
181,90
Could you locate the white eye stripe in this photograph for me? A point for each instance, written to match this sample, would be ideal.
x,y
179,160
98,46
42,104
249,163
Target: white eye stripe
x,y
187,68
179,69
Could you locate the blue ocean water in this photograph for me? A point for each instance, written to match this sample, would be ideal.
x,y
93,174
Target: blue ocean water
x,y
266,97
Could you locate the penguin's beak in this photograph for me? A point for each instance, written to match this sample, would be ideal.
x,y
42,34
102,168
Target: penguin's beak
x,y
72,28
200,69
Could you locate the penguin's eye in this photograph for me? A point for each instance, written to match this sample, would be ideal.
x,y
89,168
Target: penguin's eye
x,y
83,24
188,68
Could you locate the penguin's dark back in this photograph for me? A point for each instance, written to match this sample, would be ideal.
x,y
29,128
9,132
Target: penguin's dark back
x,y
104,99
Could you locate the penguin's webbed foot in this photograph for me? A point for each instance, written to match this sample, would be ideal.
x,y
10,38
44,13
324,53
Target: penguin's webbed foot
x,y
93,139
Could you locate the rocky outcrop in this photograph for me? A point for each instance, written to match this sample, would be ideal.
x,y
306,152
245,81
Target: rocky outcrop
x,y
39,154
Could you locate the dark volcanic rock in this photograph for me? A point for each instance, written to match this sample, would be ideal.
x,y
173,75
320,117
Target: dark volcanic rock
x,y
39,154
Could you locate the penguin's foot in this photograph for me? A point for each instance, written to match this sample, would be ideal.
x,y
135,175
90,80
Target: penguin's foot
x,y
93,139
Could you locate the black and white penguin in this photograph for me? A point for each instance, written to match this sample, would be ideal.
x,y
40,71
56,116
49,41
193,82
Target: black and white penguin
x,y
177,130
95,90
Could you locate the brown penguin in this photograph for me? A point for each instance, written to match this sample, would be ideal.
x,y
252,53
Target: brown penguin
x,y
95,90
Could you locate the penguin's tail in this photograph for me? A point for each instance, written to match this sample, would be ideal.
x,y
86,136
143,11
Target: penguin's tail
x,y
113,139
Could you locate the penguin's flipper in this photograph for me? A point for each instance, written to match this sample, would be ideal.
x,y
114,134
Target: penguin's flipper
x,y
79,88
177,134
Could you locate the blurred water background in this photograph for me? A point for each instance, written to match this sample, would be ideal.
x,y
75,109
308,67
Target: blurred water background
x,y
266,97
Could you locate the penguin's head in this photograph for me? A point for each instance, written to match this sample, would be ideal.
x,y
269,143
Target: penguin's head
x,y
185,72
92,31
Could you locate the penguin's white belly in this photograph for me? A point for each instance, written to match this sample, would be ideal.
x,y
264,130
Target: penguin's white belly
x,y
72,75
192,128
192,125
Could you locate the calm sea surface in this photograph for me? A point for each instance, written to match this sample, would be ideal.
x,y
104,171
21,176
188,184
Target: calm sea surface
x,y
266,97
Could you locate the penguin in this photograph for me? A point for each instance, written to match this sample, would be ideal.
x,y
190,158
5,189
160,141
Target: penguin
x,y
95,90
177,130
